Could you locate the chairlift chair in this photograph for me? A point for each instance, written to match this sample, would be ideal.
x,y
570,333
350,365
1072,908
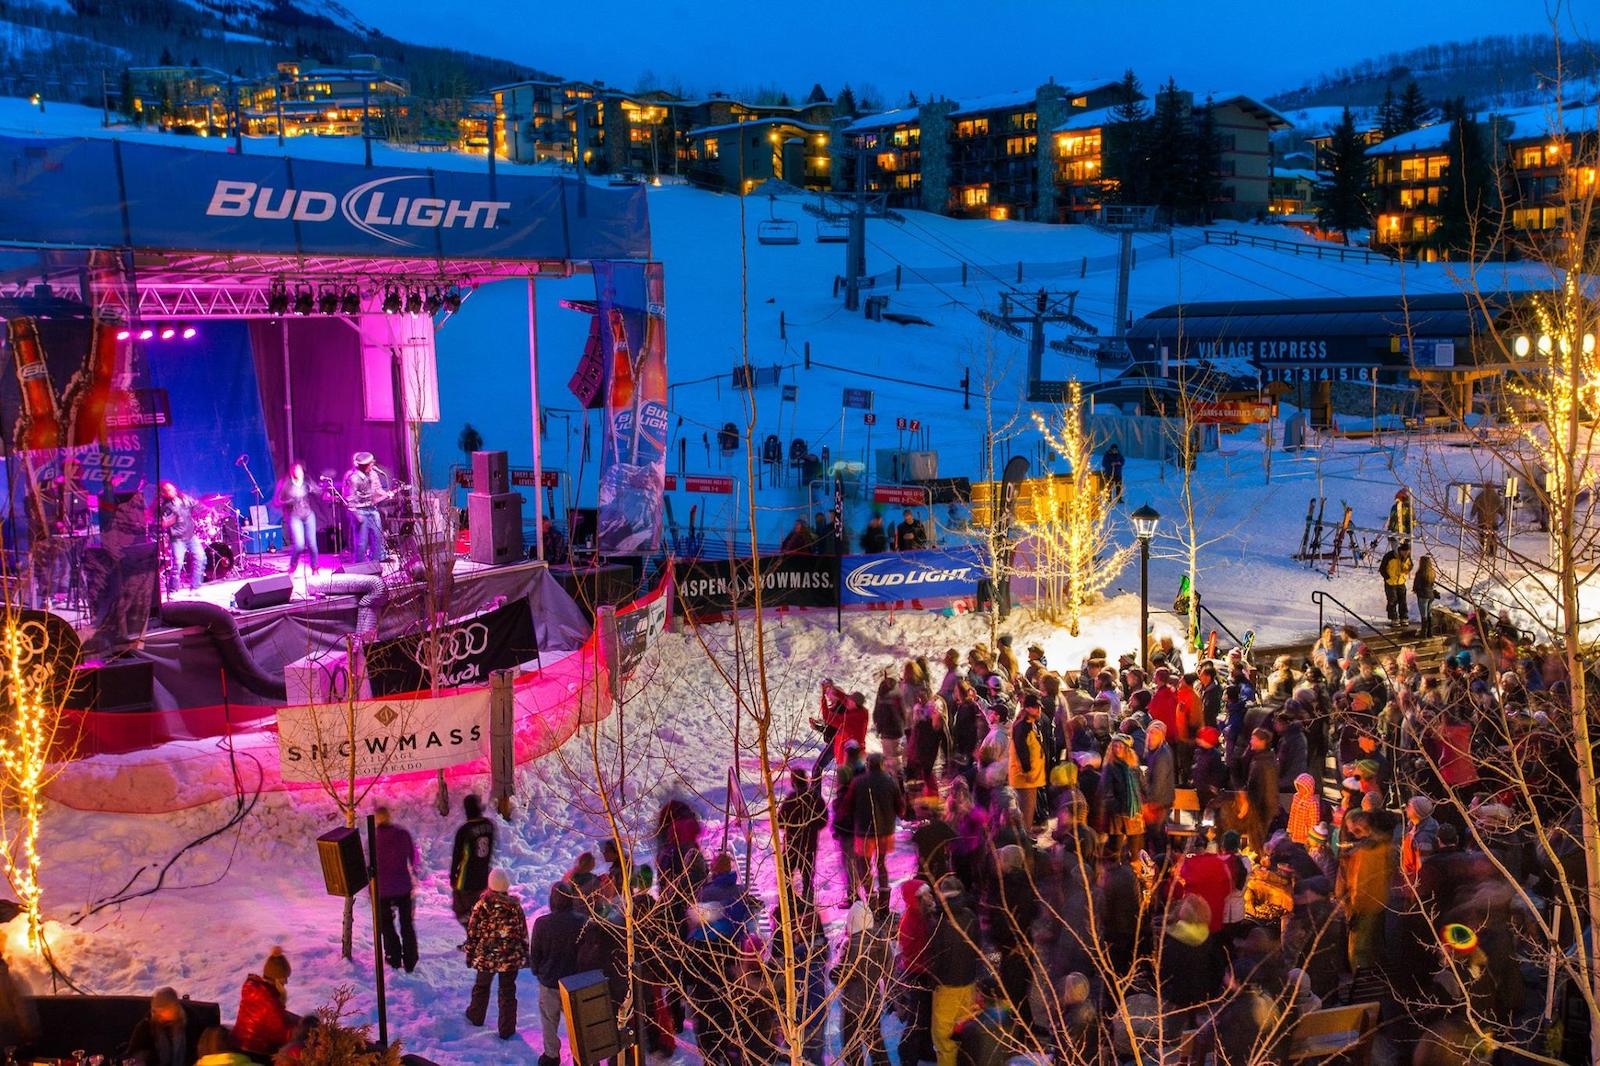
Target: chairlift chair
x,y
833,231
775,230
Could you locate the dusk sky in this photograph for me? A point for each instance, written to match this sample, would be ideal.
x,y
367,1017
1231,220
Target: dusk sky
x,y
938,46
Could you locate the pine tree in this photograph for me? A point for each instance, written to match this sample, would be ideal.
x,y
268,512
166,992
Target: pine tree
x,y
845,104
1207,186
817,95
911,99
1170,159
1123,141
1469,202
1345,199
1413,110
1389,114
166,58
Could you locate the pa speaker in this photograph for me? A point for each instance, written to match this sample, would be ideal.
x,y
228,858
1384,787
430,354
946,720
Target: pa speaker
x,y
490,472
373,569
591,1018
344,867
264,592
122,686
495,521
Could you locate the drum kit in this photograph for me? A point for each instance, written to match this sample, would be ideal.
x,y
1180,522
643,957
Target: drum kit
x,y
228,554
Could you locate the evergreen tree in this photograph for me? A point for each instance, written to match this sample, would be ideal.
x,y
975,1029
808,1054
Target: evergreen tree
x,y
845,104
817,94
1413,111
1389,114
911,99
1207,186
1170,159
1122,143
166,58
1344,201
1469,202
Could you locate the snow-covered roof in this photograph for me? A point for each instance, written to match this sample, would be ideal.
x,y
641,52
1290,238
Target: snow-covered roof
x,y
885,119
1423,140
1528,123
773,121
1273,117
996,102
1298,173
1088,120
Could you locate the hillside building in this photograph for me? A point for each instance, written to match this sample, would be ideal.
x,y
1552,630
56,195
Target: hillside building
x,y
738,156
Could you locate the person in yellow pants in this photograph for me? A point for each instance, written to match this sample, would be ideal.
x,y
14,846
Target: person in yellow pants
x,y
953,947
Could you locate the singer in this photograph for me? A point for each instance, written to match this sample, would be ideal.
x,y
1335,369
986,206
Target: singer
x,y
293,498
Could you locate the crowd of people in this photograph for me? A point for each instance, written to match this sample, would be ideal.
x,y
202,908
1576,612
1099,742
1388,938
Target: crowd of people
x,y
822,538
1084,865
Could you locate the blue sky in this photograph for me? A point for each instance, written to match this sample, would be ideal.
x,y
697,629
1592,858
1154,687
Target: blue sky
x,y
954,48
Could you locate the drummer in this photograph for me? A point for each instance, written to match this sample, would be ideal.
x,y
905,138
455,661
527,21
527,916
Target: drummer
x,y
178,520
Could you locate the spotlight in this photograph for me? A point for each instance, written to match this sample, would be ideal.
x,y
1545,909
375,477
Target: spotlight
x,y
434,301
304,300
188,333
123,334
168,332
452,298
328,301
277,297
391,300
350,302
146,333
413,302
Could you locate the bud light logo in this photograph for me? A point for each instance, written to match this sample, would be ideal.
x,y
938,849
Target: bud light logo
x,y
377,208
874,578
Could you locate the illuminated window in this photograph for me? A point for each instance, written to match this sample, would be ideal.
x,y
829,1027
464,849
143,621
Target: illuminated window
x,y
973,127
1529,156
999,214
1021,145
708,148
1079,144
975,196
1080,101
888,161
1437,165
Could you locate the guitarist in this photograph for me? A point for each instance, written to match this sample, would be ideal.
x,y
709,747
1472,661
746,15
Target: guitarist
x,y
366,486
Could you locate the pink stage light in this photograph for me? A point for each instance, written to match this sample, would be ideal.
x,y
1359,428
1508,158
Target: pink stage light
x,y
167,333
188,333
123,334
146,334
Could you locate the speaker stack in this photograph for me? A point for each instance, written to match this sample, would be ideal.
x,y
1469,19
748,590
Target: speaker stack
x,y
494,512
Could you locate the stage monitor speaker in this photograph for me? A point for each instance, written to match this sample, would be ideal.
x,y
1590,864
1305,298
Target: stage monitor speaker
x,y
495,522
373,569
114,687
490,473
344,867
591,1018
264,592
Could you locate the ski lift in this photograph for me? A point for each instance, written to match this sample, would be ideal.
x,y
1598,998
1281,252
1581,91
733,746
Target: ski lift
x,y
775,230
833,231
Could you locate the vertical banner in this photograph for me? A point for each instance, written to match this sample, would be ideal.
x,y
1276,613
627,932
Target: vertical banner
x,y
632,315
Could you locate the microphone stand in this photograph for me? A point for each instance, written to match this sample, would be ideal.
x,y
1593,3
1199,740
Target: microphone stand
x,y
255,487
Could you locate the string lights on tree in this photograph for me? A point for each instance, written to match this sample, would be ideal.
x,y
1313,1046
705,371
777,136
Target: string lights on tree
x,y
27,735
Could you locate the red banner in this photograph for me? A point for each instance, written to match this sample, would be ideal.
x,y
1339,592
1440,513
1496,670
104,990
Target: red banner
x,y
722,486
1232,412
900,495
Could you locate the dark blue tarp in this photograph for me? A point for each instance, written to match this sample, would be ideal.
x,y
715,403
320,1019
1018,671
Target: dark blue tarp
x,y
105,193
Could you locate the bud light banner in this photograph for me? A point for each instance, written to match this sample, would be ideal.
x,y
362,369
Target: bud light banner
x,y
932,573
633,467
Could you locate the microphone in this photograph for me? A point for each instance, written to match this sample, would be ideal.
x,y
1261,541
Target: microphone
x,y
241,461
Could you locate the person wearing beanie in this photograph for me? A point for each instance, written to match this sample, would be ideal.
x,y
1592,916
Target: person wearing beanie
x,y
264,1023
1208,772
1421,839
497,943
1319,847
167,1036
954,965
471,856
1305,810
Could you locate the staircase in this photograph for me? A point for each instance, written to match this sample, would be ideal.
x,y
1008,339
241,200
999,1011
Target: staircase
x,y
1431,651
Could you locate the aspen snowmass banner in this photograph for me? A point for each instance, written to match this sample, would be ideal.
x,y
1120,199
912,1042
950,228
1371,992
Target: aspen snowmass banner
x,y
633,468
392,736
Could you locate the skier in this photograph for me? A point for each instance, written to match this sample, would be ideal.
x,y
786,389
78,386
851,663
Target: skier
x,y
470,856
1401,520
1396,569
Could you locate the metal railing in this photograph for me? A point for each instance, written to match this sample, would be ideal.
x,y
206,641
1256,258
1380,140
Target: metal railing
x,y
1318,596
1341,253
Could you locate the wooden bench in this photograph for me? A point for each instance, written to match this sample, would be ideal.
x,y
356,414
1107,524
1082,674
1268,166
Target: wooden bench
x,y
1343,1034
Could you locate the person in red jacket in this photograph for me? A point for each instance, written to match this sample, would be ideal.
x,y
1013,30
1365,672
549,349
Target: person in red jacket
x,y
264,1024
852,725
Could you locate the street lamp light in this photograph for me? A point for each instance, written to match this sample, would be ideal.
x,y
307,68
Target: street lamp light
x,y
1145,520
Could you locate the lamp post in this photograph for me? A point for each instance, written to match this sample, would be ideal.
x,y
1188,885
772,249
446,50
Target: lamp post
x,y
1145,520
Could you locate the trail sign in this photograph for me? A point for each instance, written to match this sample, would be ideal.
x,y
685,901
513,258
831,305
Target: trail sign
x,y
916,424
869,419
858,398
899,423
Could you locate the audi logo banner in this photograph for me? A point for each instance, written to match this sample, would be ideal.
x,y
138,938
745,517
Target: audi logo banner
x,y
468,650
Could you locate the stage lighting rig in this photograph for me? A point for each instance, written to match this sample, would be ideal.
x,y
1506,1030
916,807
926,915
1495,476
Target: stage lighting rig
x,y
350,302
187,332
168,332
391,301
433,302
277,297
413,302
305,301
327,300
452,298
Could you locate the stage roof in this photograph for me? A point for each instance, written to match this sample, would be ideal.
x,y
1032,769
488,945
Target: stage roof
x,y
203,211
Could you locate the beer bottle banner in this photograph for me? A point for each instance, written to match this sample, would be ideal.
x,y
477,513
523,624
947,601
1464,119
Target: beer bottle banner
x,y
632,325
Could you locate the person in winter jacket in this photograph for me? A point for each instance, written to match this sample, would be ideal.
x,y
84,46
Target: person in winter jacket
x,y
1027,771
954,966
1122,797
1293,755
910,535
497,943
552,955
470,857
167,1036
828,722
1111,464
1191,962
876,804
843,821
801,816
928,739
852,725
874,539
1396,570
1401,520
889,721
1208,774
721,914
1261,783
1305,810
1422,586
862,977
397,857
1160,782
264,1024
810,969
